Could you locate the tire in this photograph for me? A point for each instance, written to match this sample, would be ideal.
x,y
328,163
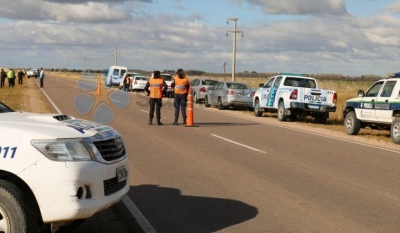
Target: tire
x,y
281,112
352,125
195,100
16,215
206,104
220,105
395,130
257,109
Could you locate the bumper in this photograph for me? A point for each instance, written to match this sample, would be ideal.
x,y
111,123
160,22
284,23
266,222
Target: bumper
x,y
311,107
68,191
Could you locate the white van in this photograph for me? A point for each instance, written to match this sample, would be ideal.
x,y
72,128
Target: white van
x,y
115,74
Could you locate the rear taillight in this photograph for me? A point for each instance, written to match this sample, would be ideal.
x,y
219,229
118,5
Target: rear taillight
x,y
293,95
334,98
231,92
203,89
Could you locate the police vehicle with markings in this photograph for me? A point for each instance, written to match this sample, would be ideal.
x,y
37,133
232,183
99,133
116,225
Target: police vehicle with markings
x,y
57,170
378,108
294,96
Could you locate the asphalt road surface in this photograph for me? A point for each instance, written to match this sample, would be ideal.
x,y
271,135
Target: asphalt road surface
x,y
238,173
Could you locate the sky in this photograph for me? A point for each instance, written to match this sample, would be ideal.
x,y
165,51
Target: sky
x,y
348,37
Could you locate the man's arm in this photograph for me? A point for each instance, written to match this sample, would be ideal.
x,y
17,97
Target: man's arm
x,y
146,88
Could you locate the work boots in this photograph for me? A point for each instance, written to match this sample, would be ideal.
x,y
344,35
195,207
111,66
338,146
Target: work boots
x,y
150,121
184,120
176,121
159,122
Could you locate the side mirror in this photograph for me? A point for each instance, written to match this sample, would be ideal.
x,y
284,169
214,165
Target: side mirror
x,y
261,85
361,93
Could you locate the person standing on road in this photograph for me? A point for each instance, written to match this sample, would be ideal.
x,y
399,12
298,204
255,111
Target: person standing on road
x,y
181,88
3,76
41,76
155,88
20,76
11,78
127,82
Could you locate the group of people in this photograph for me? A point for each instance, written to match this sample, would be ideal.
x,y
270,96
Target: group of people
x,y
10,75
156,86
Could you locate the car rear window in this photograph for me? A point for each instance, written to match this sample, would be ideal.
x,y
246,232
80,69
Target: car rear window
x,y
166,77
141,78
237,86
209,82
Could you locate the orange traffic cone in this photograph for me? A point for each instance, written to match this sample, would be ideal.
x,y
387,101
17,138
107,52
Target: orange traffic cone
x,y
189,109
98,87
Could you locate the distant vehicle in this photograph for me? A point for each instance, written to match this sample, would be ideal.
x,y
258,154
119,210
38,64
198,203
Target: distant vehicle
x,y
168,80
138,81
199,88
32,73
229,94
114,75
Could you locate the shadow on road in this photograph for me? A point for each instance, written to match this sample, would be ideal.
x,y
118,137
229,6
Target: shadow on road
x,y
168,210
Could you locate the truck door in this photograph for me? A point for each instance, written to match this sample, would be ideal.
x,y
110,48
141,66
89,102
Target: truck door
x,y
272,92
382,106
265,92
366,107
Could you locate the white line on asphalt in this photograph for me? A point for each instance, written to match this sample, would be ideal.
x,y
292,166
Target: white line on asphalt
x,y
237,143
141,220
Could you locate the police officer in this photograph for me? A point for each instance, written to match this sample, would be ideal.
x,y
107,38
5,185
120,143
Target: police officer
x,y
11,78
155,88
3,76
181,88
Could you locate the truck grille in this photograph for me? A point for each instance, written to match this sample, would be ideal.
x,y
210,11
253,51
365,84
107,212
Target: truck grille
x,y
112,185
111,149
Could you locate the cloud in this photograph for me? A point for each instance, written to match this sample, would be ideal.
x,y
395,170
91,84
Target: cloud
x,y
302,7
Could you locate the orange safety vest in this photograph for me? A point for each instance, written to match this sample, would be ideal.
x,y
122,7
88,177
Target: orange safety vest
x,y
156,87
181,85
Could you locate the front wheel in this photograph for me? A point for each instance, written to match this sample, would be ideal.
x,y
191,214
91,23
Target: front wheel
x,y
220,105
257,109
352,125
395,130
195,100
281,112
15,213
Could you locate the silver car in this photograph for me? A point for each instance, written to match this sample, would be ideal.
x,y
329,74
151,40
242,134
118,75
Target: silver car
x,y
199,88
229,94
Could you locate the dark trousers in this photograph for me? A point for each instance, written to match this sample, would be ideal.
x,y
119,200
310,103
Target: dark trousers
x,y
3,80
11,82
155,104
180,102
20,80
41,82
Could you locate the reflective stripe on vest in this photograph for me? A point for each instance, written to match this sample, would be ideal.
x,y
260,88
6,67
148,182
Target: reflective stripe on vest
x,y
156,86
181,85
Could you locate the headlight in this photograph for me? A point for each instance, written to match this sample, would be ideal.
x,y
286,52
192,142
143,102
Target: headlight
x,y
64,149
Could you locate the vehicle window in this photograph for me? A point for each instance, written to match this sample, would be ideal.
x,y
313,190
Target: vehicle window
x,y
209,82
269,83
236,86
166,77
196,82
116,72
388,89
141,78
123,72
278,81
373,91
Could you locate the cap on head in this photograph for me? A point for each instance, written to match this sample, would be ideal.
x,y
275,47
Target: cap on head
x,y
179,71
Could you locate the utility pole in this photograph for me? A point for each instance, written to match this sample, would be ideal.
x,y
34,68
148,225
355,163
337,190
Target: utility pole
x,y
83,64
234,31
116,56
224,66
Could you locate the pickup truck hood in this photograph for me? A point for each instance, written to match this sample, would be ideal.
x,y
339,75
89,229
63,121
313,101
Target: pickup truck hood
x,y
49,125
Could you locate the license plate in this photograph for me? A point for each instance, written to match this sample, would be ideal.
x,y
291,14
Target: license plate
x,y
313,106
122,173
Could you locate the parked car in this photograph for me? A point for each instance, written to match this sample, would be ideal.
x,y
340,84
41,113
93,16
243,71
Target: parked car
x,y
121,81
199,88
32,73
138,82
229,94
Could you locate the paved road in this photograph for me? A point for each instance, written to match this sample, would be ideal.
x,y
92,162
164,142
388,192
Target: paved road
x,y
238,173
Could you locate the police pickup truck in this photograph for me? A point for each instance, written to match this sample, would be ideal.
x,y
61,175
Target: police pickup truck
x,y
57,170
292,96
378,108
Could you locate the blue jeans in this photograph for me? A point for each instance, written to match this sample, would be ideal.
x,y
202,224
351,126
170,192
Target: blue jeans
x,y
180,102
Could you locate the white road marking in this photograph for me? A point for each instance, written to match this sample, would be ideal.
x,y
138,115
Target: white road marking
x,y
139,217
237,143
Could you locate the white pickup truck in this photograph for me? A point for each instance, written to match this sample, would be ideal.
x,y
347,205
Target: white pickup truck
x,y
378,108
292,96
32,73
57,170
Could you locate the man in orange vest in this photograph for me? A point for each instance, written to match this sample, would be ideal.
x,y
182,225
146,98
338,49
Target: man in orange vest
x,y
155,88
181,88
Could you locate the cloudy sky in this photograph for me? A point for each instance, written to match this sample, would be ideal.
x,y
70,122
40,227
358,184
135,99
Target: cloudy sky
x,y
349,37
